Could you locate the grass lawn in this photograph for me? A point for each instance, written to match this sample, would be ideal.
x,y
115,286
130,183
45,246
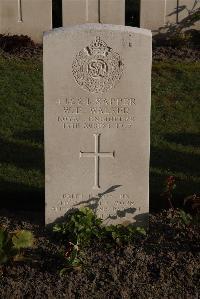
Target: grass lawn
x,y
175,124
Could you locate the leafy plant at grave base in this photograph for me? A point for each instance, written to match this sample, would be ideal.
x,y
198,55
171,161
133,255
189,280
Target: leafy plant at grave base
x,y
12,244
184,217
183,220
83,227
192,202
169,188
80,228
124,234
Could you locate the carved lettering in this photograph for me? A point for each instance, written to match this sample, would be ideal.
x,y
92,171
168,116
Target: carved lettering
x,y
97,113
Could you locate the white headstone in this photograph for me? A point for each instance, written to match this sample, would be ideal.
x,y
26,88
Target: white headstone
x,y
97,90
27,17
93,11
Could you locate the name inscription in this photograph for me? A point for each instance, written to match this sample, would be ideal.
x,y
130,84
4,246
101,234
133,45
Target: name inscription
x,y
80,113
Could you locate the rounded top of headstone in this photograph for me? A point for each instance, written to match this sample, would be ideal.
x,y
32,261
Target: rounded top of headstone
x,y
96,26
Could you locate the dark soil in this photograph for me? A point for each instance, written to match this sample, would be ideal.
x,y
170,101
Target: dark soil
x,y
176,54
19,45
165,264
22,46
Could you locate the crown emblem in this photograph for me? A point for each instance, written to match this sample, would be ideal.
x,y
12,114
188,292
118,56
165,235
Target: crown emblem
x,y
98,47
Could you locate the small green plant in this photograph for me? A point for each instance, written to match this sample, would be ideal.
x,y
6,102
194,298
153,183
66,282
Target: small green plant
x,y
73,258
185,218
193,201
124,234
169,189
12,244
181,219
81,229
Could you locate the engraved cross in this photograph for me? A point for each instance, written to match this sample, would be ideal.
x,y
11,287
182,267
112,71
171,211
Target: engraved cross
x,y
97,155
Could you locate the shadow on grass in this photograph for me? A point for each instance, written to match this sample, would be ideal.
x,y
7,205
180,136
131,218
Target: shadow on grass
x,y
188,139
16,197
182,165
175,161
21,155
157,187
36,136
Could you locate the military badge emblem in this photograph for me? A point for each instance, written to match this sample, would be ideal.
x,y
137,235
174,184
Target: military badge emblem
x,y
97,68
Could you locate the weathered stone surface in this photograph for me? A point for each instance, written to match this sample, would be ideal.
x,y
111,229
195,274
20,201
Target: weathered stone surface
x,y
93,11
157,14
97,81
27,17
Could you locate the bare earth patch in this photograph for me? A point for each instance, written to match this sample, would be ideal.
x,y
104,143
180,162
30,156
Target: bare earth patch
x,y
164,264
